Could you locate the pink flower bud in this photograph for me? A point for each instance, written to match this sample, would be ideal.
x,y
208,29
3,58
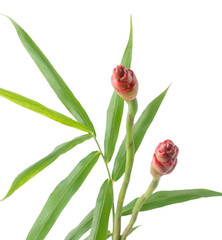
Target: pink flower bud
x,y
124,82
164,158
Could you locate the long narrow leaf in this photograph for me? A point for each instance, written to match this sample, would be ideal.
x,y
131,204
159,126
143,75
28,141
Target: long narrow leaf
x,y
39,108
140,130
114,117
109,234
127,56
34,169
82,228
53,78
165,198
115,109
61,196
104,202
158,200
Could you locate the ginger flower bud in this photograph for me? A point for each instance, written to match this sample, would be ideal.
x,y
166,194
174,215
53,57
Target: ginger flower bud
x,y
164,159
124,82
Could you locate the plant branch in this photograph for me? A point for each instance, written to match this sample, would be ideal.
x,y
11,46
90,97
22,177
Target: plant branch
x,y
138,205
107,168
130,151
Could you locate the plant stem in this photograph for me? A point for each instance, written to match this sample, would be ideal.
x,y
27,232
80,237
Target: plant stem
x,y
107,168
132,109
138,205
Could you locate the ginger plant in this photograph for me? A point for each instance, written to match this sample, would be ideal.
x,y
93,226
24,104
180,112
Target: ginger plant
x,y
96,223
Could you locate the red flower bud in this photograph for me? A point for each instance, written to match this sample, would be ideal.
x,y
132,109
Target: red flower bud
x,y
124,82
164,158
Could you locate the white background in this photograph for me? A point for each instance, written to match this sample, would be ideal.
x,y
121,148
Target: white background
x,y
174,41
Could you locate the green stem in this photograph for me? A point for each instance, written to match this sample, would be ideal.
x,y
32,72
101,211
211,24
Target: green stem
x,y
107,169
138,205
132,109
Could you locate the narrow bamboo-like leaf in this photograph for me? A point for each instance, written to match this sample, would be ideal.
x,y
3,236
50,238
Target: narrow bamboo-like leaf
x,y
114,117
82,228
39,108
127,56
37,167
115,109
165,198
61,196
104,202
162,199
133,229
140,130
53,78
109,234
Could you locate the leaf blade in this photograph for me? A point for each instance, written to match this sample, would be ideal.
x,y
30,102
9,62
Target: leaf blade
x,y
54,79
140,130
37,167
115,109
165,198
82,228
102,210
61,196
127,56
109,234
41,109
114,117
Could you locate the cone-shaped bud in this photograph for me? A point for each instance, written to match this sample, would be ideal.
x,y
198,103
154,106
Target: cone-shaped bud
x,y
164,158
124,82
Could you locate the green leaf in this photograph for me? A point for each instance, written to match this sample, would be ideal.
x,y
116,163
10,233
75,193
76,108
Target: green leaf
x,y
165,198
140,130
109,234
104,202
127,56
82,228
37,167
161,199
115,109
39,108
114,117
133,229
53,78
61,196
